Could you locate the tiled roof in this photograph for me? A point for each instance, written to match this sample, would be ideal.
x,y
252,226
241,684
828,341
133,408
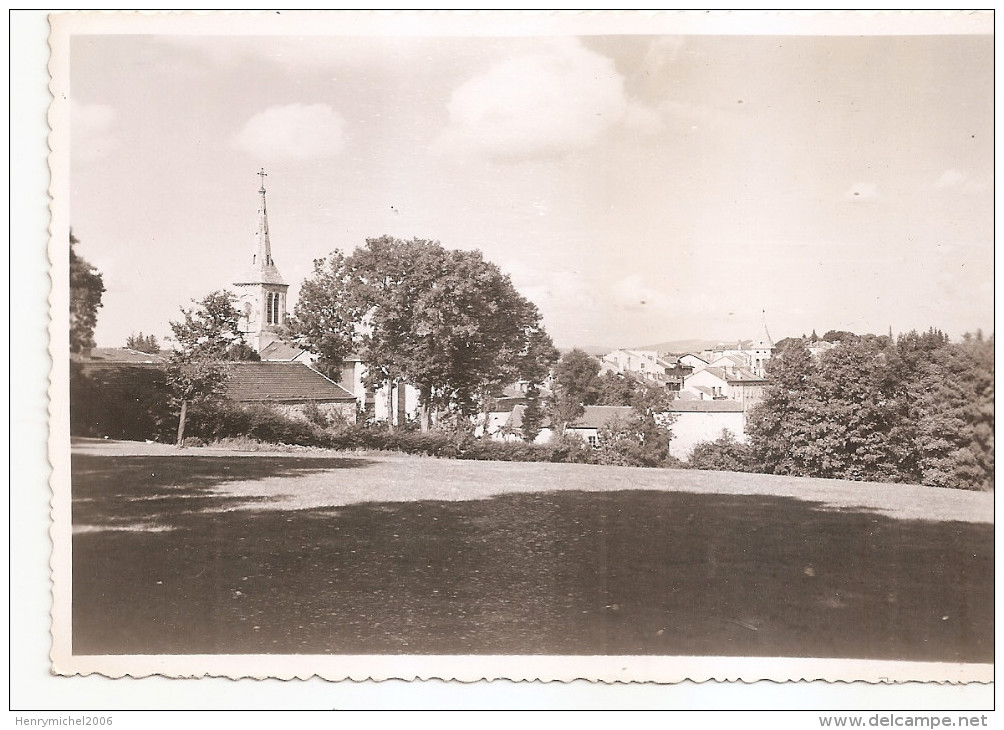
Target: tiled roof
x,y
281,382
736,359
716,371
705,406
515,420
280,351
745,375
248,382
123,355
597,416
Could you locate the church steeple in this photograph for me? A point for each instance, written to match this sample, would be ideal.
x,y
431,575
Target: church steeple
x,y
263,269
261,289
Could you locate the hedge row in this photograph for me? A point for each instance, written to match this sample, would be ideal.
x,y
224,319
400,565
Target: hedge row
x,y
447,445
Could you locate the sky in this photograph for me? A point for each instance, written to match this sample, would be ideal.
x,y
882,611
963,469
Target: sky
x,y
638,188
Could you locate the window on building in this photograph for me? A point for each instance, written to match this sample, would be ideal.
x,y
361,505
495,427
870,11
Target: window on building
x,y
272,308
593,441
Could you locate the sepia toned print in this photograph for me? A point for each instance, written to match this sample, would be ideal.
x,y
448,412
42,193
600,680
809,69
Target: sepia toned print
x,y
619,346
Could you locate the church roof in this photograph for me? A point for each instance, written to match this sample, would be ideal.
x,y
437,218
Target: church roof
x,y
281,382
267,274
280,351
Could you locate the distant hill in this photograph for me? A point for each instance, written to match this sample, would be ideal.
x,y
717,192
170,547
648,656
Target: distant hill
x,y
594,350
679,346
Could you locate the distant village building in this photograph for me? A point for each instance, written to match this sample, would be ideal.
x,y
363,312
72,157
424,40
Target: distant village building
x,y
753,355
818,347
704,420
693,361
730,371
668,372
508,426
726,381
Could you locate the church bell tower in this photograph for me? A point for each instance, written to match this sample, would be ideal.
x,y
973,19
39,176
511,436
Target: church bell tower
x,y
261,290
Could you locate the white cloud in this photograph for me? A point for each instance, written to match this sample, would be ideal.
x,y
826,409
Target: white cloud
x,y
862,192
953,179
90,125
950,179
537,105
296,131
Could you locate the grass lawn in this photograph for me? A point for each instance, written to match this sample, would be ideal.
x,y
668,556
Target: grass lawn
x,y
204,552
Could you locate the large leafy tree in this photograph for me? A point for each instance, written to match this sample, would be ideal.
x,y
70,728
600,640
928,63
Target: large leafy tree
x,y
951,393
327,314
860,430
841,416
575,385
207,339
209,330
86,288
447,322
781,426
616,389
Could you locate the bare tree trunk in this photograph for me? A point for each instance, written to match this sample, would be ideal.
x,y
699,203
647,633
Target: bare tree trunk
x,y
485,421
425,416
402,405
391,387
181,423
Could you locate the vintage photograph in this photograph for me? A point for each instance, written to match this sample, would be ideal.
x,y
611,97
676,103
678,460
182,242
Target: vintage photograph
x,y
624,346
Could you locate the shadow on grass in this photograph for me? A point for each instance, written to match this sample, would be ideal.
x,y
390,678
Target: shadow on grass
x,y
151,492
568,573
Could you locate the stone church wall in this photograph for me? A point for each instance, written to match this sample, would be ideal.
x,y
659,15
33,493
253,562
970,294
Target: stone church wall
x,y
334,411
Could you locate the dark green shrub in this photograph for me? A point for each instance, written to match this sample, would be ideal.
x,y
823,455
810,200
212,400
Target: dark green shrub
x,y
313,413
221,420
724,454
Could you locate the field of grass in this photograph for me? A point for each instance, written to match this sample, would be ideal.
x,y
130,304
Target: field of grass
x,y
324,553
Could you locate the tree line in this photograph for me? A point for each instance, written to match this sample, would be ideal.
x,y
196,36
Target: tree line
x,y
917,409
449,323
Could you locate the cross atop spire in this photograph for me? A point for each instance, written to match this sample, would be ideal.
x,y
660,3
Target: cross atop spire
x,y
262,174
